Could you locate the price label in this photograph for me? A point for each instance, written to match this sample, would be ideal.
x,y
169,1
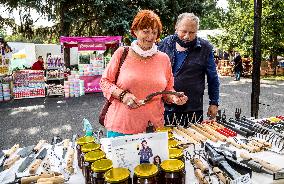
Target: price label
x,y
244,179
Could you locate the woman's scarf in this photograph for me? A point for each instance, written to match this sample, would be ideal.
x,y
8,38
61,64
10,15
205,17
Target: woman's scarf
x,y
144,53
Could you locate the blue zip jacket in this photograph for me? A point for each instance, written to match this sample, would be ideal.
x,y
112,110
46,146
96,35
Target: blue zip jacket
x,y
190,76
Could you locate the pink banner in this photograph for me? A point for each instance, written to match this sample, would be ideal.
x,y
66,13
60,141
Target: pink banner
x,y
92,83
91,46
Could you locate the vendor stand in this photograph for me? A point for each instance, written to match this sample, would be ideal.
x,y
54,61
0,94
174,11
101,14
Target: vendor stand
x,y
205,153
93,56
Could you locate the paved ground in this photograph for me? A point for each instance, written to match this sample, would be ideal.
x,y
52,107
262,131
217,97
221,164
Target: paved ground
x,y
28,120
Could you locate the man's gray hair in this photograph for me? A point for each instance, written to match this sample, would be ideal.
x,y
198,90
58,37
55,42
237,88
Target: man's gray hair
x,y
190,16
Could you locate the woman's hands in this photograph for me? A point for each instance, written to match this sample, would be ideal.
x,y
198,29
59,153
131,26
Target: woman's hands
x,y
131,101
178,100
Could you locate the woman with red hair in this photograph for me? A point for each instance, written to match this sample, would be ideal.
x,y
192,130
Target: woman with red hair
x,y
145,70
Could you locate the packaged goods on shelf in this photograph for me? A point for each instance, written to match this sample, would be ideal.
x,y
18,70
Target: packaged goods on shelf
x,y
54,62
90,69
53,89
55,74
29,84
74,87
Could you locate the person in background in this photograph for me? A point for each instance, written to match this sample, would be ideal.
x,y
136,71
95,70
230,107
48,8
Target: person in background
x,y
192,59
39,64
145,70
238,66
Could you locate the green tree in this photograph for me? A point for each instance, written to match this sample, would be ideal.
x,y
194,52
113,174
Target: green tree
x,y
238,28
108,17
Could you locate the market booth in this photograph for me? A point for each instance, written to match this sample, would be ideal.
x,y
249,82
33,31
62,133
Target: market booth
x,y
93,55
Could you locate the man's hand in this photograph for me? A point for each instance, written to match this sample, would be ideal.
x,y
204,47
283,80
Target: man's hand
x,y
179,100
212,111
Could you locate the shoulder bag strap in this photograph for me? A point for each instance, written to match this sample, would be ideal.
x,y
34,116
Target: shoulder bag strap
x,y
123,56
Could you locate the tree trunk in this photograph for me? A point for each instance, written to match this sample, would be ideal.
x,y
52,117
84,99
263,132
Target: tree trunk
x,y
65,30
256,59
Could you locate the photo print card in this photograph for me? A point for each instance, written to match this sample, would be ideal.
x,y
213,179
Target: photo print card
x,y
132,150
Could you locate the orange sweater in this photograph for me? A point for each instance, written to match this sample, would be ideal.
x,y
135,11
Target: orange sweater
x,y
140,77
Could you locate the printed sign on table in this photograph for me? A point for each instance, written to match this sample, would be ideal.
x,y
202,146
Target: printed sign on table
x,y
92,83
130,151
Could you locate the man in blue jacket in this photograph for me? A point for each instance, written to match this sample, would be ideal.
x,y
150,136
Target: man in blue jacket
x,y
192,59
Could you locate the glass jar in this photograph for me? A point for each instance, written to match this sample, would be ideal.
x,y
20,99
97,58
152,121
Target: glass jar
x,y
80,142
145,174
118,176
89,158
85,149
173,172
176,153
99,168
166,129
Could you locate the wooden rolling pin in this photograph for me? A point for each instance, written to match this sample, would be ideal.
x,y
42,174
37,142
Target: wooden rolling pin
x,y
199,164
12,150
233,142
256,148
209,136
249,148
220,175
39,145
190,139
267,144
30,179
255,143
11,161
265,164
198,174
35,166
194,134
70,159
213,132
54,180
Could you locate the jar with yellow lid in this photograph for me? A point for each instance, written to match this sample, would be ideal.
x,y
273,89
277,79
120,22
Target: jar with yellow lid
x,y
99,168
173,143
176,153
118,176
166,129
87,148
89,158
146,174
80,142
173,172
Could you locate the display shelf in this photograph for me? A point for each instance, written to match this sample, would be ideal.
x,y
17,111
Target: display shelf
x,y
55,94
55,68
30,97
54,78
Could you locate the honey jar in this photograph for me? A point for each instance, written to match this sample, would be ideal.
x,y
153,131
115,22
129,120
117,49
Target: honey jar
x,y
145,174
99,168
80,142
176,153
173,172
118,176
89,158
